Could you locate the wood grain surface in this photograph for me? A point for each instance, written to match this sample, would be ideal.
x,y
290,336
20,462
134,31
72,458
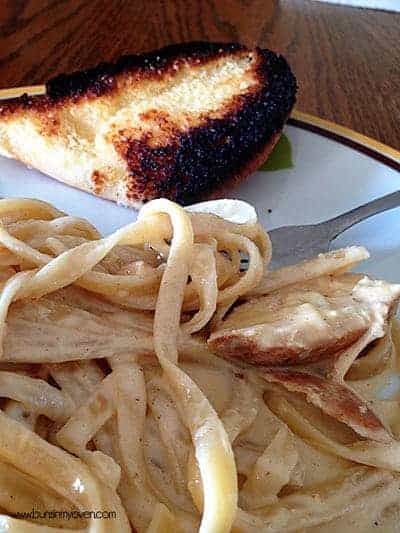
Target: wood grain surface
x,y
347,60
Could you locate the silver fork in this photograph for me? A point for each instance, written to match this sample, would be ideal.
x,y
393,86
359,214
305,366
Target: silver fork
x,y
291,244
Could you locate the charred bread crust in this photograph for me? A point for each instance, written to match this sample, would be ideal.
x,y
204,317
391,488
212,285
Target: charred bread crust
x,y
223,190
206,157
101,79
202,160
196,161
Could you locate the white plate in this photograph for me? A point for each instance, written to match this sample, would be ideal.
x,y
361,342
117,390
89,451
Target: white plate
x,y
328,178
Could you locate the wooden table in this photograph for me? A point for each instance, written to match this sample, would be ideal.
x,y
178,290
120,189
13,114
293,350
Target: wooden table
x,y
347,60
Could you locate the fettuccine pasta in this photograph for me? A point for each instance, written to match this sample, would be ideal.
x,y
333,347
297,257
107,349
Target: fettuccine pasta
x,y
162,379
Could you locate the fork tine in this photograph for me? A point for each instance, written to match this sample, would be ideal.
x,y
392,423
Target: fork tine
x,y
292,244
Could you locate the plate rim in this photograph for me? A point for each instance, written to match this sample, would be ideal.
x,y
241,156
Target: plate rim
x,y
357,141
375,149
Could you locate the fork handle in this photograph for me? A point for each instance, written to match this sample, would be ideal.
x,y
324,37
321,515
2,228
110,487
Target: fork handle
x,y
339,224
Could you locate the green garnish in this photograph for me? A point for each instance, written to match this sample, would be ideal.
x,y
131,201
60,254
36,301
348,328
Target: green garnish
x,y
281,156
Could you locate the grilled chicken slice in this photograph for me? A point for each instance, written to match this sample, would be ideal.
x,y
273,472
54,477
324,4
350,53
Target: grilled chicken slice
x,y
334,399
49,330
306,323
